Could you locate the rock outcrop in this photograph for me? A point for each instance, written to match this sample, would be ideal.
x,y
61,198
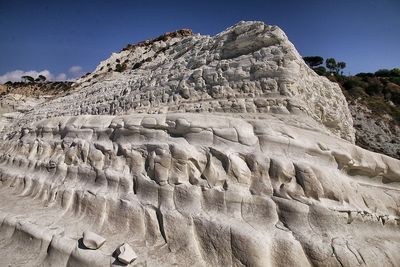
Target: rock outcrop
x,y
202,151
248,69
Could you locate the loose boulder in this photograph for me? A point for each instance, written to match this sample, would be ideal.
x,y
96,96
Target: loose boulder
x,y
92,240
125,254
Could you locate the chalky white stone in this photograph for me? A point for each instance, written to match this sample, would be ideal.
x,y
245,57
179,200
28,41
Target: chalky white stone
x,y
92,240
204,151
126,254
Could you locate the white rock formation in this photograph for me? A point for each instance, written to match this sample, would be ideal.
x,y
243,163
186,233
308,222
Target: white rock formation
x,y
216,151
126,254
250,68
92,240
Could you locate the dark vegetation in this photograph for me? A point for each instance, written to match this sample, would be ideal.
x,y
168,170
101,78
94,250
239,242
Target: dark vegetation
x,y
30,79
120,67
379,91
36,88
30,86
164,37
332,67
381,94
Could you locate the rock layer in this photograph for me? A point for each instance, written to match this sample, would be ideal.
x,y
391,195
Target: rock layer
x,y
278,183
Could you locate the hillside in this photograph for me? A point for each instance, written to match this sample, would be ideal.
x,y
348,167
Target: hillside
x,y
35,89
374,102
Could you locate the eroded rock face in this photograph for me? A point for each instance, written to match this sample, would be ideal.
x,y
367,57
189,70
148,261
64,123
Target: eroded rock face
x,y
250,68
267,187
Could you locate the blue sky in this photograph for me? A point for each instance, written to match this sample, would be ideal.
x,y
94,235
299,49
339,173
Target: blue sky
x,y
68,38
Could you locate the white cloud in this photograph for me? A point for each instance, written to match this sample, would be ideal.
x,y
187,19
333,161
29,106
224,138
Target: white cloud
x,y
75,70
15,76
61,77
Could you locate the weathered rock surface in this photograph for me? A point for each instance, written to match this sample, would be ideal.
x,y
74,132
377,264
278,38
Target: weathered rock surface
x,y
216,151
249,69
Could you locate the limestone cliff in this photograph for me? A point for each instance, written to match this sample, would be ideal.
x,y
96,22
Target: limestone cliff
x,y
250,68
197,151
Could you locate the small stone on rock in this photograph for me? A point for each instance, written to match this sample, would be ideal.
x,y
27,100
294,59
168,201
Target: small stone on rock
x,y
92,240
126,254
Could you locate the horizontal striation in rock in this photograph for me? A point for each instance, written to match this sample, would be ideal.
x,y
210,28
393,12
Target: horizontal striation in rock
x,y
239,188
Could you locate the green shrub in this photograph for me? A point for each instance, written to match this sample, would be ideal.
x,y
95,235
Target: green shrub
x,y
365,74
382,73
120,68
321,70
395,80
313,61
394,91
374,89
357,92
353,82
395,72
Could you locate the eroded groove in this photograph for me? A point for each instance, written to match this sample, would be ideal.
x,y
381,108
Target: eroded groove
x,y
161,224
